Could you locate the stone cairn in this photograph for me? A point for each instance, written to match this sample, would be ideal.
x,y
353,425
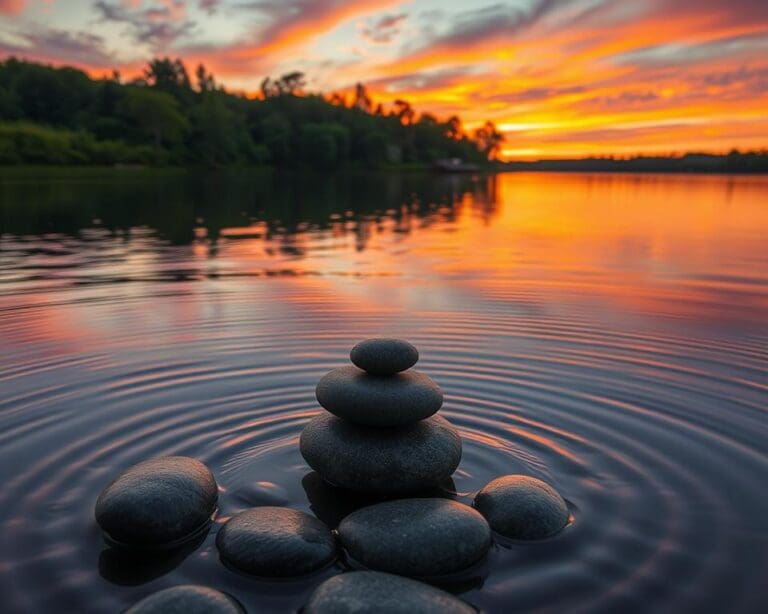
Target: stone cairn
x,y
380,436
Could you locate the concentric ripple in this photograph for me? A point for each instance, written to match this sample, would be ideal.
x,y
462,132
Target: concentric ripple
x,y
641,399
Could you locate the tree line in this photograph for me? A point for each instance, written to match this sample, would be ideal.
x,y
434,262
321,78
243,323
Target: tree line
x,y
54,115
734,161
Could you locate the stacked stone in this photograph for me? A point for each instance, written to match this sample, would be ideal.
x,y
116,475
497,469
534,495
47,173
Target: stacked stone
x,y
380,434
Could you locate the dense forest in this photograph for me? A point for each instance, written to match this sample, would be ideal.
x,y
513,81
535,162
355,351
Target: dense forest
x,y
168,117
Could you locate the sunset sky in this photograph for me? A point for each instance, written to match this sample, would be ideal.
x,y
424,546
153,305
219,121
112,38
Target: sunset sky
x,y
562,78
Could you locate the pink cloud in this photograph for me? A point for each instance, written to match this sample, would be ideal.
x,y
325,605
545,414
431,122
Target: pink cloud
x,y
12,7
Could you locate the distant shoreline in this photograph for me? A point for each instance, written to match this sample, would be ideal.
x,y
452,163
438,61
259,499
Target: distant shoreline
x,y
735,162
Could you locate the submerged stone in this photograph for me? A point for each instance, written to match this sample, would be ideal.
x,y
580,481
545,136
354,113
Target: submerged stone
x,y
416,537
187,599
375,400
159,503
373,591
275,542
407,460
384,356
522,507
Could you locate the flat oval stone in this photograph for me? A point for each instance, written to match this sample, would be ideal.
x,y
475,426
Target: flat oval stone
x,y
375,400
275,542
416,537
373,591
412,459
187,599
159,503
522,507
384,356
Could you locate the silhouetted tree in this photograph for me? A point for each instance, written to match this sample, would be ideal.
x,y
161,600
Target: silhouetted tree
x,y
489,140
168,75
362,99
290,84
404,112
453,128
337,99
205,80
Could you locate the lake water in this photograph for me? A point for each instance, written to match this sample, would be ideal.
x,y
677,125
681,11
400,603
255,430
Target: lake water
x,y
606,333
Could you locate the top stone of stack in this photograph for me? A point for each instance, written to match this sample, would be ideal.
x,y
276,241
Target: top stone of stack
x,y
384,356
381,389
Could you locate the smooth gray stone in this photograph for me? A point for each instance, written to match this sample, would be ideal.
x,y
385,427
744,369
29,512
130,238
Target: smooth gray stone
x,y
187,599
376,400
274,542
522,507
416,537
159,503
384,356
406,460
360,592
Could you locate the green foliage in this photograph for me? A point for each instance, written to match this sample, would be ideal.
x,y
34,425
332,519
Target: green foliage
x,y
324,145
61,116
275,132
156,115
30,143
217,136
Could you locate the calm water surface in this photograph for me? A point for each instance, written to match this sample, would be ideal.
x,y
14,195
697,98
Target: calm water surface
x,y
606,333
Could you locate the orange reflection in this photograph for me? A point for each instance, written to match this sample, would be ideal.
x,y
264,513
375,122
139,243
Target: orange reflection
x,y
674,246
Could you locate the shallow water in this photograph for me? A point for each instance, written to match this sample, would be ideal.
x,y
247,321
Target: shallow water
x,y
606,333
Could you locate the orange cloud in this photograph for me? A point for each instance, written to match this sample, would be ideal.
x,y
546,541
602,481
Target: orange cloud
x,y
290,25
661,82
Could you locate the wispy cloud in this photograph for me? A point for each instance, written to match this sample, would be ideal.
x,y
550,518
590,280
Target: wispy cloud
x,y
159,24
288,22
209,6
53,45
279,28
385,28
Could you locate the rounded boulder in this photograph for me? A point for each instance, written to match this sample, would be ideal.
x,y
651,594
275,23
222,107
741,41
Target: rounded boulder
x,y
274,542
357,592
374,400
159,503
416,537
522,507
187,599
384,356
412,459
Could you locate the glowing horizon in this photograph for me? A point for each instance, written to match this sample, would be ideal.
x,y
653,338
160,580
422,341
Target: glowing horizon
x,y
567,78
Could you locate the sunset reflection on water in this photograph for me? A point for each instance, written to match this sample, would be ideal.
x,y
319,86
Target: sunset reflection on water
x,y
605,333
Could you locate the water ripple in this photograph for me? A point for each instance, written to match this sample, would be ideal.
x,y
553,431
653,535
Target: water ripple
x,y
650,421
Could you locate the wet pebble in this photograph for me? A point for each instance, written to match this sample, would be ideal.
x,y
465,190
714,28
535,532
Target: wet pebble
x,y
416,537
384,356
408,460
187,599
372,591
374,400
275,542
522,507
159,503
